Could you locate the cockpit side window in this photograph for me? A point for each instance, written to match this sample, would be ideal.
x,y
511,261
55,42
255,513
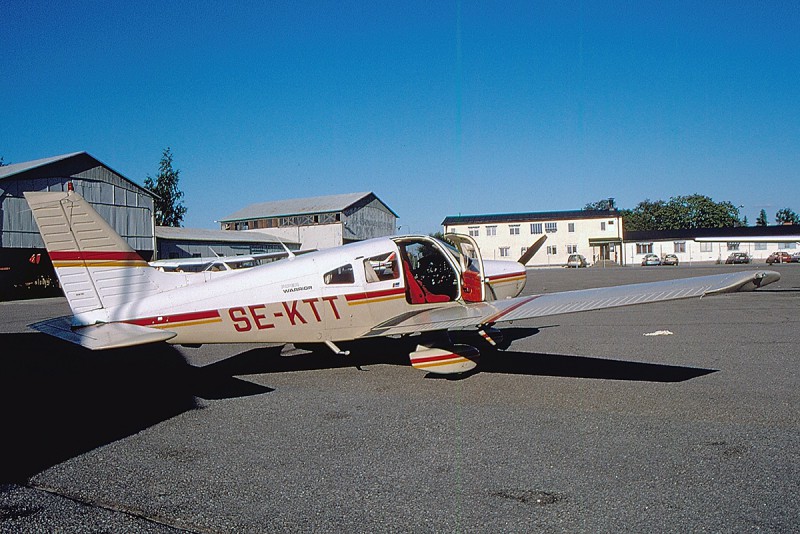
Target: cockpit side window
x,y
340,275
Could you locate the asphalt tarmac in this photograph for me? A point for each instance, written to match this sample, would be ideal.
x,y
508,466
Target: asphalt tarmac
x,y
590,422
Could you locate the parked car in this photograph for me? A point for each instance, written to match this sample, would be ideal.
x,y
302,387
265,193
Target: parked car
x,y
796,257
576,260
779,257
738,257
670,259
651,259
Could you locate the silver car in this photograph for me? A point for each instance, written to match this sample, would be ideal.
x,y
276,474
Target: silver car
x,y
576,260
651,259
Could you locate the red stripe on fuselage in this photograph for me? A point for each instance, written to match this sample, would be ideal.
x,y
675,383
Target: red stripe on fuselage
x,y
375,294
177,318
507,275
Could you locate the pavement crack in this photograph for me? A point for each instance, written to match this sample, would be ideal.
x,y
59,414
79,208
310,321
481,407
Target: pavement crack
x,y
138,514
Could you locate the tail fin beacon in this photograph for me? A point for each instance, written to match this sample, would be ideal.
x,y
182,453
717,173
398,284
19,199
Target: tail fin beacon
x,y
95,266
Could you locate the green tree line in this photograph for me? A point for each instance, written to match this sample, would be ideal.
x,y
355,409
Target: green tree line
x,y
685,212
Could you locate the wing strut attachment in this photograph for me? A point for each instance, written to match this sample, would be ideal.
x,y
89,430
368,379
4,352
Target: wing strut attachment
x,y
336,350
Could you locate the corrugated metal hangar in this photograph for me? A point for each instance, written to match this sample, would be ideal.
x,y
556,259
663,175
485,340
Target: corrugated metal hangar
x,y
318,222
127,206
197,242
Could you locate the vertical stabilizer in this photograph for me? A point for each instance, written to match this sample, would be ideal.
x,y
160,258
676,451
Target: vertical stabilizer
x,y
95,266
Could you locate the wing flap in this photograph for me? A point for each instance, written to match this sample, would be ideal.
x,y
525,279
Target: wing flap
x,y
464,315
101,336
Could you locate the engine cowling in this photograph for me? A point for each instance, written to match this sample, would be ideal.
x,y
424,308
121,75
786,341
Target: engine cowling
x,y
504,279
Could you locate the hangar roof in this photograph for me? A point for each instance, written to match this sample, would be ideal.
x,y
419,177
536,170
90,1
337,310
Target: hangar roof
x,y
72,163
302,206
201,234
16,168
452,220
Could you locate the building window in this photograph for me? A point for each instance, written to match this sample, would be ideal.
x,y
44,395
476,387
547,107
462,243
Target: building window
x,y
790,245
536,228
474,231
680,246
552,250
551,227
572,249
733,246
611,223
644,248
706,247
570,227
602,226
491,230
505,252
513,229
761,246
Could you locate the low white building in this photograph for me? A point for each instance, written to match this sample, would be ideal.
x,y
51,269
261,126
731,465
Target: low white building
x,y
712,245
596,234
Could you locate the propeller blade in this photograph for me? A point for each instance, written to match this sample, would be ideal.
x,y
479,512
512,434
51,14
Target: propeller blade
x,y
533,249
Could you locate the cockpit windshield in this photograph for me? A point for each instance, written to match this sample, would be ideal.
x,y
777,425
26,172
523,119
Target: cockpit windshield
x,y
462,259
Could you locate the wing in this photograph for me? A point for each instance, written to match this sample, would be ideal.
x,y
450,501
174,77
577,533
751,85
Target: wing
x,y
198,264
465,315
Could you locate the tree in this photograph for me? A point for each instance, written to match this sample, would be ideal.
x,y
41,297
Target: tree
x,y
169,209
604,204
762,218
682,212
645,216
787,216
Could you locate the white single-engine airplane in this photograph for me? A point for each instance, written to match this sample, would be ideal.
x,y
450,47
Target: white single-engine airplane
x,y
392,286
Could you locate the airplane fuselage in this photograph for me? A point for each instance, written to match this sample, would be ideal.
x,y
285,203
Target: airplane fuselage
x,y
329,295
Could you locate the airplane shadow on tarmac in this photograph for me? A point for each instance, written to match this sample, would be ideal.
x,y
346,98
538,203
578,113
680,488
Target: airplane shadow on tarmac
x,y
395,352
60,400
568,366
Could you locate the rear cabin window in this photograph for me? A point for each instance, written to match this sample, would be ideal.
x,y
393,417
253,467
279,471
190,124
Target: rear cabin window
x,y
340,275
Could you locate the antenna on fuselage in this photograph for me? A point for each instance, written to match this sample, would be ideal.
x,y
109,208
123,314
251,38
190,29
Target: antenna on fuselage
x,y
291,254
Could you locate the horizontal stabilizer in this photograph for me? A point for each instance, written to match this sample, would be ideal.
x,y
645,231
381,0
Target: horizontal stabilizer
x,y
102,336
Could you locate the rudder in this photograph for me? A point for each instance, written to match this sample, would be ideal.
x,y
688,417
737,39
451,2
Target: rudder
x,y
94,264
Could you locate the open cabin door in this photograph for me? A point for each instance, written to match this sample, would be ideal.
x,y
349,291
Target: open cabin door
x,y
472,275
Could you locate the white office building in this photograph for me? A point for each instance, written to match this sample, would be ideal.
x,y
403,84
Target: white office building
x,y
596,234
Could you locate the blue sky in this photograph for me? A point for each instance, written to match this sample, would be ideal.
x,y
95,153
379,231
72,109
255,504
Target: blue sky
x,y
439,108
